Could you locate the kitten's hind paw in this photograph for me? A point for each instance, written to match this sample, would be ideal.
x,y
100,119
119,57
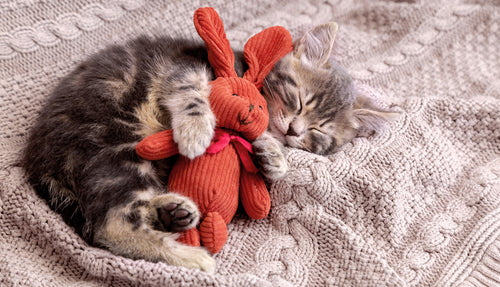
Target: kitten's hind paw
x,y
142,230
175,212
191,257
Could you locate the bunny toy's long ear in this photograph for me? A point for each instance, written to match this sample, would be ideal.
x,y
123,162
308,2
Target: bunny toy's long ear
x,y
263,50
210,28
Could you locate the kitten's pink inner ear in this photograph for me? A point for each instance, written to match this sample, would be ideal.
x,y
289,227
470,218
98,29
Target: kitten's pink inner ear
x,y
368,116
263,50
316,45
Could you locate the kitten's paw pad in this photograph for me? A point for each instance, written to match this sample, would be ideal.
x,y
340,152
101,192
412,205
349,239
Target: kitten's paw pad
x,y
175,212
195,134
272,161
174,218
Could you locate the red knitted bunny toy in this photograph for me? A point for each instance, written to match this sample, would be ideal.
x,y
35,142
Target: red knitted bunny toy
x,y
215,180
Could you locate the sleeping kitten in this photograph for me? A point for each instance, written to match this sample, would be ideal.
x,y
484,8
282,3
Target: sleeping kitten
x,y
313,104
80,153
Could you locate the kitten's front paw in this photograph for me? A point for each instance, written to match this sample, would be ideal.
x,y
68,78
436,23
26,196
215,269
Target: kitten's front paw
x,y
271,159
175,212
195,134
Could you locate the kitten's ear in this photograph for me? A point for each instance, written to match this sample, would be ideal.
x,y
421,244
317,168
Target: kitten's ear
x,y
316,45
368,118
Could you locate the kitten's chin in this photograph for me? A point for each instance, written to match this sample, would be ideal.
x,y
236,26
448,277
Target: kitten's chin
x,y
277,134
293,141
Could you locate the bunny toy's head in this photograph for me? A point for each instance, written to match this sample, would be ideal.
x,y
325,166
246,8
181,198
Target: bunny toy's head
x,y
239,106
237,102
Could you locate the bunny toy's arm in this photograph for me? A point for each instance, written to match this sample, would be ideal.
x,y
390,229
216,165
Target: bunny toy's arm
x,y
157,146
254,194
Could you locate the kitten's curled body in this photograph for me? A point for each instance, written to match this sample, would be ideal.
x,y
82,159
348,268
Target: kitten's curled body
x,y
80,154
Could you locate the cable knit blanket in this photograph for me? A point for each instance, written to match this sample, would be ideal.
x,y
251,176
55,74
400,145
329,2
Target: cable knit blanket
x,y
416,205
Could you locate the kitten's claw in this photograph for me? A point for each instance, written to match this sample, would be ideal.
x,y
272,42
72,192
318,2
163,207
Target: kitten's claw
x,y
270,157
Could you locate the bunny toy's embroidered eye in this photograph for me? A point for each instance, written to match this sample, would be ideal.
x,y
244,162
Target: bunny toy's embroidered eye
x,y
260,107
236,95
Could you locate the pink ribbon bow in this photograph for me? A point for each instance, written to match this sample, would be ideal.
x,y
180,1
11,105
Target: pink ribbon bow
x,y
222,139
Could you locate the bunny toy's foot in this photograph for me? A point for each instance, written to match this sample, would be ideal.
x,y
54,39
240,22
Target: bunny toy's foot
x,y
213,232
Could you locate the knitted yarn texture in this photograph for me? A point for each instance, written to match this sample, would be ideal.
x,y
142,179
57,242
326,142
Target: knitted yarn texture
x,y
416,205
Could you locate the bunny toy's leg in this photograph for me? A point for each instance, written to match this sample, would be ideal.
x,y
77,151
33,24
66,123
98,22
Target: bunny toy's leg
x,y
254,195
213,232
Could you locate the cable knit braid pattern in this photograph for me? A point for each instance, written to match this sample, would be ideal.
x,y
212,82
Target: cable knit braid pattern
x,y
415,205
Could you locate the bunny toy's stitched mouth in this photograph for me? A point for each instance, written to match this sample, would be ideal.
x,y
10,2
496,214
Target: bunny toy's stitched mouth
x,y
244,121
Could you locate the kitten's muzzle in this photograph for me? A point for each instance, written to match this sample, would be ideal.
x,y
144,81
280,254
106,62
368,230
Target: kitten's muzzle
x,y
296,128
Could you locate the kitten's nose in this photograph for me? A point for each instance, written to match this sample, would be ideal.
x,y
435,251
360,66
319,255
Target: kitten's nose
x,y
296,127
291,132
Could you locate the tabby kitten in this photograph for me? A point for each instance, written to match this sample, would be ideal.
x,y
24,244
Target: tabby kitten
x,y
80,153
313,104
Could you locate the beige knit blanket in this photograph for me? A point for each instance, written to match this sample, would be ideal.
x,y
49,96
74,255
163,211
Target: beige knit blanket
x,y
417,205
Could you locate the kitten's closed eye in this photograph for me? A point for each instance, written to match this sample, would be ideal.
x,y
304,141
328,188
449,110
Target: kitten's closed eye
x,y
317,131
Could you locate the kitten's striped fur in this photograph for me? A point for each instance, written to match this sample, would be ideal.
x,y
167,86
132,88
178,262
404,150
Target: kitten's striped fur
x,y
80,154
